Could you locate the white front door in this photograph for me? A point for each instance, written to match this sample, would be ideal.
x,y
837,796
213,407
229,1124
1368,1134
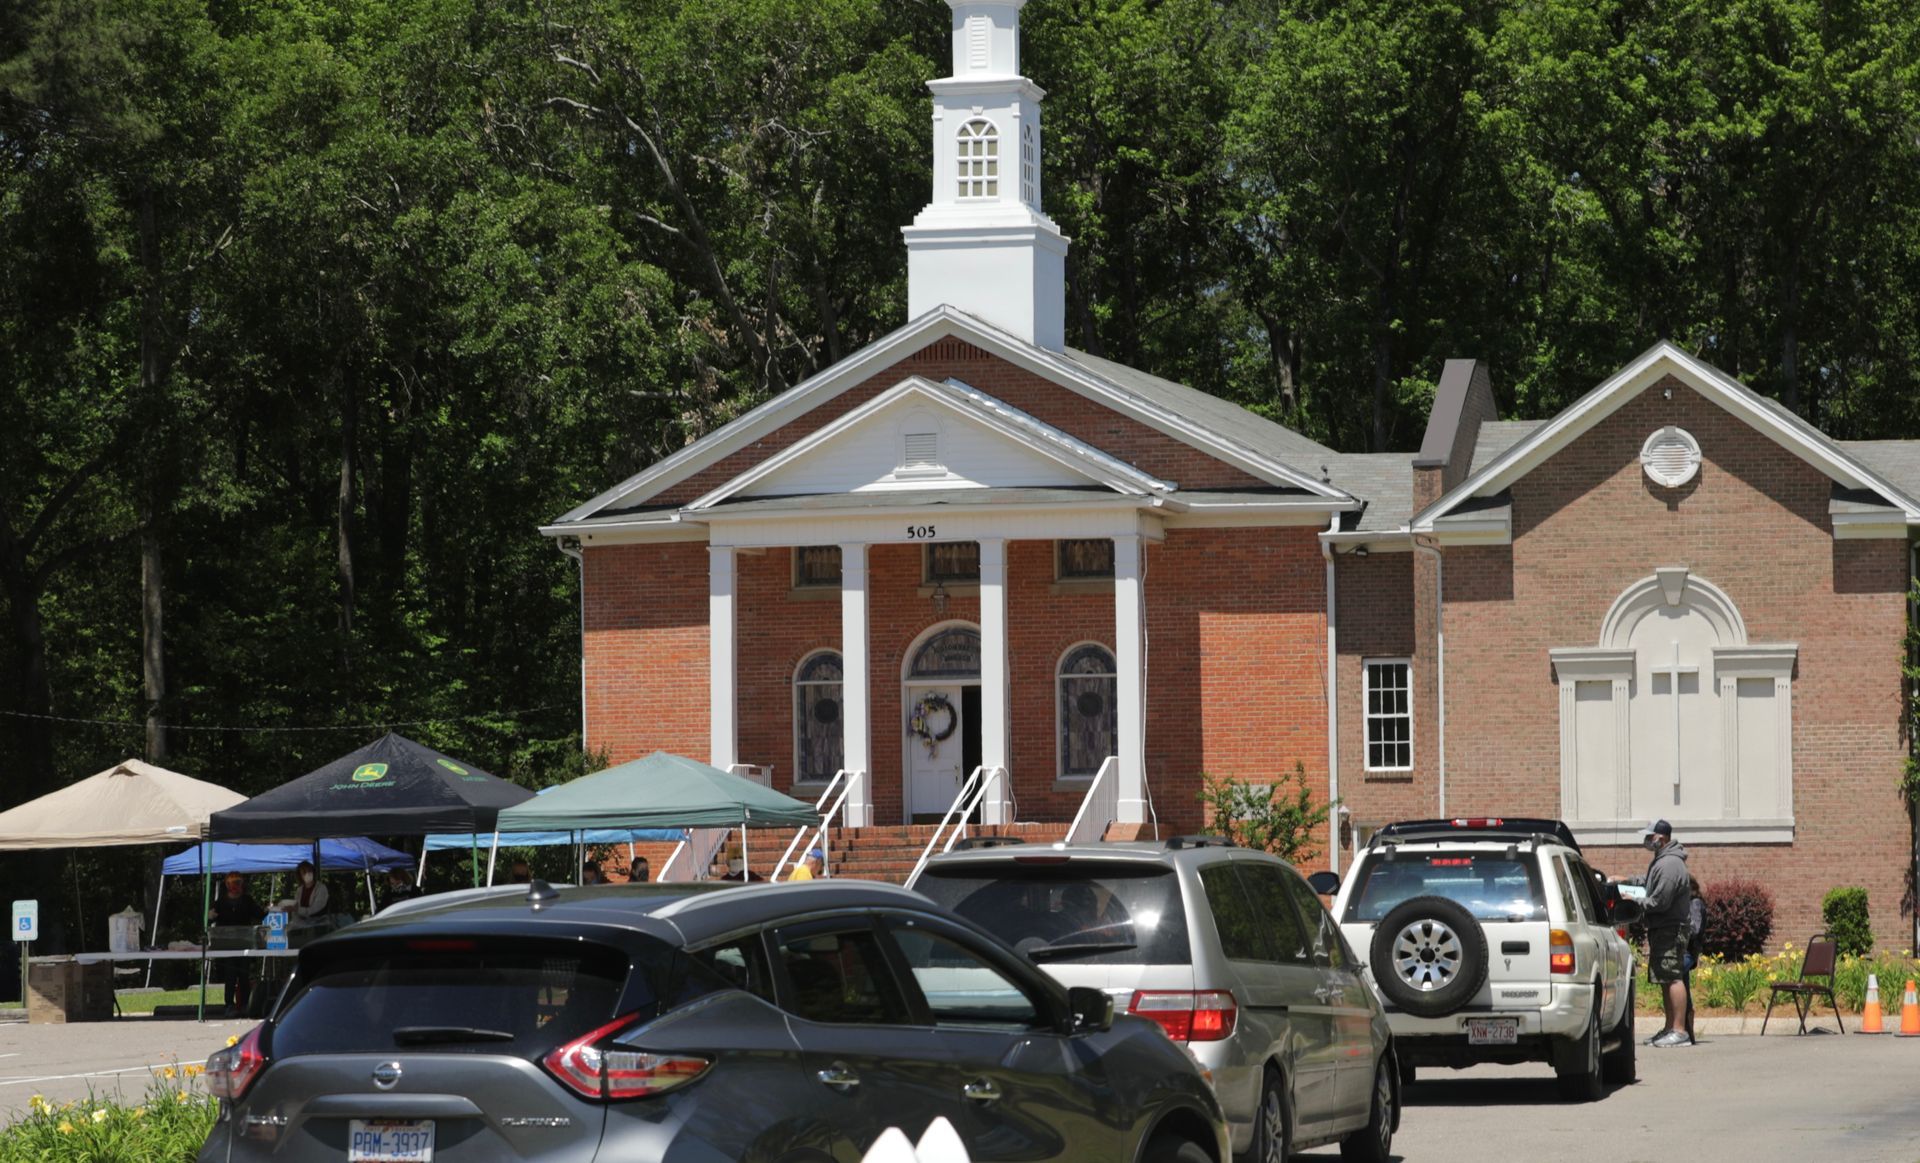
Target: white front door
x,y
934,770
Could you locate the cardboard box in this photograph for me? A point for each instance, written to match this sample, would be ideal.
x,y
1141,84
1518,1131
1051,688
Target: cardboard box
x,y
67,991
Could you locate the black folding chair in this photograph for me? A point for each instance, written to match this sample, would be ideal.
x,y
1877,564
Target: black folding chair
x,y
1821,953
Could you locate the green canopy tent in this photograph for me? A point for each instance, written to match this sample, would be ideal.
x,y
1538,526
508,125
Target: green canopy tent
x,y
658,791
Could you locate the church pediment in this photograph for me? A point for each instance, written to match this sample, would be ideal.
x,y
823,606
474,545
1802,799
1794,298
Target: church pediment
x,y
1671,456
922,434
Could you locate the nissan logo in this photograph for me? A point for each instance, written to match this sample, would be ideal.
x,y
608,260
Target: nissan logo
x,y
386,1075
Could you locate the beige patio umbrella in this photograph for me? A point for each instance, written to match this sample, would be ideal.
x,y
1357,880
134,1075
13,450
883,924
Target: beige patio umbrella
x,y
129,803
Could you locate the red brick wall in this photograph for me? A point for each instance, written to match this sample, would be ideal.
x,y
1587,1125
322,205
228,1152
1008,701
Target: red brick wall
x,y
1130,440
1376,621
1236,659
1587,524
645,649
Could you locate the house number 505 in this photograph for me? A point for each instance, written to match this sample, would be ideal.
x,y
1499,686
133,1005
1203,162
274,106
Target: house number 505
x,y
919,532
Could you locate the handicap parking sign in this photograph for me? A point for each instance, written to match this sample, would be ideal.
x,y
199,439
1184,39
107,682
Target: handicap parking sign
x,y
26,920
276,930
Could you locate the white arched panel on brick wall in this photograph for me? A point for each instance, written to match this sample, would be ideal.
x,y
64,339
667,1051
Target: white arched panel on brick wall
x,y
1674,715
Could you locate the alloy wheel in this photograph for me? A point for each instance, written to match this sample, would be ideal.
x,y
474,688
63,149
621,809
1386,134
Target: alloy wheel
x,y
1427,954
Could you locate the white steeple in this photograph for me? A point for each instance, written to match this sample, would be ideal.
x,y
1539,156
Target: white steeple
x,y
982,244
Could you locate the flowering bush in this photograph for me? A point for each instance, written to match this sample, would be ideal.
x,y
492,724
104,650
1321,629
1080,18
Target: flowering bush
x,y
1741,985
1739,918
167,1125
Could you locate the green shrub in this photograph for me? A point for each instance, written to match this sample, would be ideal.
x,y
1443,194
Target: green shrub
x,y
1845,911
1739,919
1278,817
167,1126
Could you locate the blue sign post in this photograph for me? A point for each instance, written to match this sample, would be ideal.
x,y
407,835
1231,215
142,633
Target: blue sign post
x,y
26,930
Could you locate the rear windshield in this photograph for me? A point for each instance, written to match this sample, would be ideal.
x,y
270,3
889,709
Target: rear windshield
x,y
1085,912
452,996
1491,885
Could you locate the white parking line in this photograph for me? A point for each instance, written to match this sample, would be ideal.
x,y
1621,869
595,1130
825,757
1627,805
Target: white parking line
x,y
87,1074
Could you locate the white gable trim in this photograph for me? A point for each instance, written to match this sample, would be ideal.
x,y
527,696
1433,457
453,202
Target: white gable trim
x,y
1783,427
1074,454
939,323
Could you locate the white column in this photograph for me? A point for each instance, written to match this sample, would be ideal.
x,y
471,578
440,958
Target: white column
x,y
995,746
1130,664
856,696
723,747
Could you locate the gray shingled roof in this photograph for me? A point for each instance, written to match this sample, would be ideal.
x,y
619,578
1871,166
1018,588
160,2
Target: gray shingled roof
x,y
1224,417
1896,460
1384,480
1496,436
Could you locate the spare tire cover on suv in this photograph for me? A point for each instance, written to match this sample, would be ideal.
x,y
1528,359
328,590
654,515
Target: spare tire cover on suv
x,y
1429,956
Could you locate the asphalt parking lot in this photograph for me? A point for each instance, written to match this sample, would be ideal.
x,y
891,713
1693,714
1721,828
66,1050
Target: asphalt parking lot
x,y
1781,1097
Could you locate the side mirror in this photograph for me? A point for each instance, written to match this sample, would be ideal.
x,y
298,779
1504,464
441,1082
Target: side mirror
x,y
1626,911
1092,1009
1324,882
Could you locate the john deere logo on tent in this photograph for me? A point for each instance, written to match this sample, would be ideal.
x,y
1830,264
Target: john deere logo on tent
x,y
455,768
370,773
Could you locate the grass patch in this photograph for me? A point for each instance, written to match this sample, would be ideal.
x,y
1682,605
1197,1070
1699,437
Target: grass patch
x,y
143,1003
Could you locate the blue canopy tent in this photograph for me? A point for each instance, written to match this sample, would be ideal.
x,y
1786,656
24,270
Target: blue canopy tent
x,y
344,854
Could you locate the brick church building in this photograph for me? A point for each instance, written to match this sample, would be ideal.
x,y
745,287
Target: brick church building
x,y
971,547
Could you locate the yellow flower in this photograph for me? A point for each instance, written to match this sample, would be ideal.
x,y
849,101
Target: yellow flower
x,y
39,1103
182,1097
167,1073
100,1116
66,1128
233,1039
195,1070
139,1112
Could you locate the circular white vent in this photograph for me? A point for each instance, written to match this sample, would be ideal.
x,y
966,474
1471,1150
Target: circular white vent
x,y
1671,456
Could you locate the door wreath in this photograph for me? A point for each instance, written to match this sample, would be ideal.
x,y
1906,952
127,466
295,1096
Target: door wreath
x,y
921,725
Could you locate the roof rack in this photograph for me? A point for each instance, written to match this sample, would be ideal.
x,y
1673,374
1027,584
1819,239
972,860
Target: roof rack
x,y
1535,828
1175,843
972,842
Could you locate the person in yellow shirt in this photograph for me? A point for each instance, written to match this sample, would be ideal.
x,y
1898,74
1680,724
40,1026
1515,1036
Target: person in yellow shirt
x,y
811,867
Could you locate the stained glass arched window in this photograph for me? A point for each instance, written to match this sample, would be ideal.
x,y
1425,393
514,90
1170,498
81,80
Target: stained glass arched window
x,y
1087,719
819,737
951,653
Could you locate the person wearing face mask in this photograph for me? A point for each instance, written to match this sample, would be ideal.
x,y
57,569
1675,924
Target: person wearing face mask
x,y
310,898
1669,896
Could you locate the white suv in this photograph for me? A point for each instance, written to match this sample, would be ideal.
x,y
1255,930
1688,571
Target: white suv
x,y
1490,940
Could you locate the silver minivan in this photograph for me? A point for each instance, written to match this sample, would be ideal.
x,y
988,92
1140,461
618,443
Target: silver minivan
x,y
1228,950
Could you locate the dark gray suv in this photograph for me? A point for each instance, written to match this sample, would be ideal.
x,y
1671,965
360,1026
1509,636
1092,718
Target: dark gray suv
x,y
776,1023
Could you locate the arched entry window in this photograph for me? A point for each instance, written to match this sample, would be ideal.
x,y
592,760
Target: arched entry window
x,y
951,653
1086,696
819,738
979,159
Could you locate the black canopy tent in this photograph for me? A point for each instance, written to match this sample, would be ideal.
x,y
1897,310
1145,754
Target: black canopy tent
x,y
391,787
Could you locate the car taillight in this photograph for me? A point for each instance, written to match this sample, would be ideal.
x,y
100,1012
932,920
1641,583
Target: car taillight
x,y
1186,1015
599,1072
232,1070
1559,951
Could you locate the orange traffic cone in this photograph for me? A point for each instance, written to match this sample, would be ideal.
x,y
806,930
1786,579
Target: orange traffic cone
x,y
1910,1013
1870,1021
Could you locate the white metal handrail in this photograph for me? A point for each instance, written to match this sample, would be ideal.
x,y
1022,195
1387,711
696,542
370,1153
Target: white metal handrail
x,y
693,856
827,815
972,792
1099,807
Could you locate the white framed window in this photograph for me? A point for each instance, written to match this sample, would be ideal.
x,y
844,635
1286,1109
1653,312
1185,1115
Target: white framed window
x,y
1388,713
819,737
1029,167
1087,689
978,159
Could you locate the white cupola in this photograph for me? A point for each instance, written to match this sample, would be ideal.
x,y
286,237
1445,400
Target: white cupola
x,y
982,245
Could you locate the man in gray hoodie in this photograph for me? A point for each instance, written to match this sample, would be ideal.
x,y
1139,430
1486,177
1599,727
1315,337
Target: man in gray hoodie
x,y
1669,893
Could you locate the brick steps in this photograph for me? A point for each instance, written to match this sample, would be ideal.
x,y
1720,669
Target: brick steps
x,y
883,852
